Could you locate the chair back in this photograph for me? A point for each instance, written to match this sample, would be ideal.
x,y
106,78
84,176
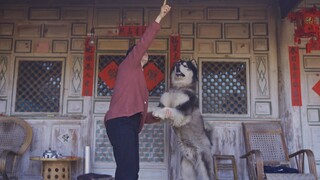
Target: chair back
x,y
269,139
15,134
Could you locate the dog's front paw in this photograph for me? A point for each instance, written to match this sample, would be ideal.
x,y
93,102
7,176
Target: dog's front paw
x,y
158,114
164,113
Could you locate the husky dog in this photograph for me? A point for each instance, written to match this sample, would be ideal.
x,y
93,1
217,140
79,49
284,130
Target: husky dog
x,y
180,106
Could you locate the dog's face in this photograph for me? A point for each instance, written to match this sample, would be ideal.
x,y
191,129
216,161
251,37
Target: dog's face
x,y
184,74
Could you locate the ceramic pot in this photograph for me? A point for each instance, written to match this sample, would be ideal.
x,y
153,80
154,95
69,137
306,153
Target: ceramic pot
x,y
50,154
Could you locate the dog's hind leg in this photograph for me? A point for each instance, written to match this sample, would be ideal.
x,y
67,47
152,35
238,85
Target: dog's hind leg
x,y
187,170
201,169
208,163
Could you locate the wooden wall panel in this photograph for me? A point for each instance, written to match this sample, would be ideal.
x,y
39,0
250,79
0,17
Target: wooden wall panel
x,y
212,30
187,44
223,13
23,46
3,106
60,46
313,114
205,46
76,75
315,141
56,31
6,29
42,46
263,108
75,14
223,47
99,107
260,44
113,44
191,13
44,13
132,17
311,62
259,29
253,13
29,30
237,30
261,62
79,29
14,13
5,60
40,143
107,17
74,106
6,44
159,45
241,46
186,29
77,44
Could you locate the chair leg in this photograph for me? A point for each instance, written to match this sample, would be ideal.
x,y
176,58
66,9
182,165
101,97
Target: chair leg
x,y
225,163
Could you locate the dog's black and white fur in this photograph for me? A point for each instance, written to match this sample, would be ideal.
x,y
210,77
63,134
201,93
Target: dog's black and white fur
x,y
180,106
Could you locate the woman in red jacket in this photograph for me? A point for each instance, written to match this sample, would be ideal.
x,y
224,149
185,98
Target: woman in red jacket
x,y
129,104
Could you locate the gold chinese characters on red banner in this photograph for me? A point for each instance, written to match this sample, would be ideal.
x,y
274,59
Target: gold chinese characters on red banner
x,y
295,76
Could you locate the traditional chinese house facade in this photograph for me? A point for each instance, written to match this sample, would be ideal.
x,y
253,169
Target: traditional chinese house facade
x,y
53,76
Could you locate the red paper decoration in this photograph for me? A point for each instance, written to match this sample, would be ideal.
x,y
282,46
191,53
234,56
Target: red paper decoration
x,y
153,75
109,74
174,49
316,88
88,68
307,26
131,31
294,61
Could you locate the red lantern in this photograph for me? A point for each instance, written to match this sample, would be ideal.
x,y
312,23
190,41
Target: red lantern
x,y
307,26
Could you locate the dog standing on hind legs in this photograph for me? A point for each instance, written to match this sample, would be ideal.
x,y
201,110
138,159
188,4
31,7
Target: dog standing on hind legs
x,y
180,107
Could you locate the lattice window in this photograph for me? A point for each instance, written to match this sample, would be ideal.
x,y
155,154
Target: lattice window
x,y
107,60
38,86
151,144
224,87
104,60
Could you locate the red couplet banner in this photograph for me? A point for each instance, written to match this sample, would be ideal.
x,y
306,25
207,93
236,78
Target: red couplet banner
x,y
174,49
88,68
132,30
295,76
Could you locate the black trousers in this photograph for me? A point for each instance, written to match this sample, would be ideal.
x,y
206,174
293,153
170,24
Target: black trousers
x,y
123,134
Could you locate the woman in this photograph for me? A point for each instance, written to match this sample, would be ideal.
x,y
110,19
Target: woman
x,y
129,103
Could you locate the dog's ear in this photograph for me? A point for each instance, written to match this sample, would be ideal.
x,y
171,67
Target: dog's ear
x,y
194,62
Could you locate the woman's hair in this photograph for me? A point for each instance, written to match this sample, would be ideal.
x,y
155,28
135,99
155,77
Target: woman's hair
x,y
130,49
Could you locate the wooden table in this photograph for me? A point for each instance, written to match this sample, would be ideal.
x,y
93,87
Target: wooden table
x,y
56,168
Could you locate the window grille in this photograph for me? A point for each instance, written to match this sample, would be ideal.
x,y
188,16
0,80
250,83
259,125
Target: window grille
x,y
38,86
224,87
104,60
159,61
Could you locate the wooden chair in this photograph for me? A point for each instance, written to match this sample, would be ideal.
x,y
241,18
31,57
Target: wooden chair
x,y
224,166
15,138
266,147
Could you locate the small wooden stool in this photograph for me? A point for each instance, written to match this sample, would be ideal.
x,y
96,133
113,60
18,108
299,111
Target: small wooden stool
x,y
56,168
223,165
